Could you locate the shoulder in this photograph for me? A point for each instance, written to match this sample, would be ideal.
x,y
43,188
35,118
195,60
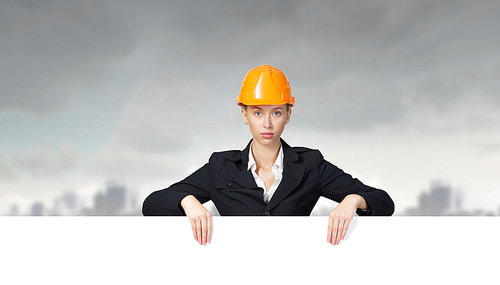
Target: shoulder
x,y
229,154
232,155
302,154
306,153
304,150
222,157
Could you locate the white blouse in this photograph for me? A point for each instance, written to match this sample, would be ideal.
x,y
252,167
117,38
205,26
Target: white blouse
x,y
277,171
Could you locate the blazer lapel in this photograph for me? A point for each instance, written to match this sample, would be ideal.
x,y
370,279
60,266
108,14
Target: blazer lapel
x,y
292,176
245,179
240,174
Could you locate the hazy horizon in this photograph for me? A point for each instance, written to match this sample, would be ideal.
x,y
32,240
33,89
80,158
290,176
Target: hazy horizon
x,y
398,94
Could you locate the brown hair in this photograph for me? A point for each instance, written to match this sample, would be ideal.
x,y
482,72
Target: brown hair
x,y
243,106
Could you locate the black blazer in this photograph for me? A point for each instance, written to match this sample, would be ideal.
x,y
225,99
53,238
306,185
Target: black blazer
x,y
226,181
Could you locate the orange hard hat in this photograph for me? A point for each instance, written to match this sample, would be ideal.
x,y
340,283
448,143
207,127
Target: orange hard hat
x,y
265,85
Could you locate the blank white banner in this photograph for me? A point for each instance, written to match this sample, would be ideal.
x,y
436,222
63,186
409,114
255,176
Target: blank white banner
x,y
248,250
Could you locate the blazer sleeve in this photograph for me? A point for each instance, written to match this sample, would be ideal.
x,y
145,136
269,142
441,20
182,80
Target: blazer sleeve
x,y
166,202
336,185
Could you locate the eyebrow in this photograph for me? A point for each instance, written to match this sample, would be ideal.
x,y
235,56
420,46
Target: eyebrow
x,y
256,107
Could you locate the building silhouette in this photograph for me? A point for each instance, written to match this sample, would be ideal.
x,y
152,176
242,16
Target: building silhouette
x,y
99,204
442,200
37,209
14,210
115,199
119,200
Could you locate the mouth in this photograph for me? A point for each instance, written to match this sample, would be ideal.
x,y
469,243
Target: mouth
x,y
267,135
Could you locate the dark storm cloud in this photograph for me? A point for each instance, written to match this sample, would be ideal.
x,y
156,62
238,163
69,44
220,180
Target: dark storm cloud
x,y
51,51
379,56
168,72
363,60
350,66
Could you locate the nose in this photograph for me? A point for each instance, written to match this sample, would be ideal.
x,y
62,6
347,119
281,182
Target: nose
x,y
267,122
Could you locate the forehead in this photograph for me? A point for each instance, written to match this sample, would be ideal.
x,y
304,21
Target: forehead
x,y
266,107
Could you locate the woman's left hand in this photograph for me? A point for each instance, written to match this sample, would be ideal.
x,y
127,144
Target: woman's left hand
x,y
341,217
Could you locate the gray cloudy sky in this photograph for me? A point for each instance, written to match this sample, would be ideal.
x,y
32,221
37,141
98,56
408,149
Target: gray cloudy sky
x,y
395,93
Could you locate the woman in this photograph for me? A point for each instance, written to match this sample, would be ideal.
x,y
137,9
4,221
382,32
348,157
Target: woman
x,y
268,177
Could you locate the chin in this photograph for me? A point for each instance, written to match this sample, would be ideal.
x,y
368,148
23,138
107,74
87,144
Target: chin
x,y
267,142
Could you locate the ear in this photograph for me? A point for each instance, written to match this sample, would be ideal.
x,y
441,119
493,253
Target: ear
x,y
244,115
289,115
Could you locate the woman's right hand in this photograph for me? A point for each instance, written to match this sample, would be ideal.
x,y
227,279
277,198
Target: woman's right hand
x,y
200,219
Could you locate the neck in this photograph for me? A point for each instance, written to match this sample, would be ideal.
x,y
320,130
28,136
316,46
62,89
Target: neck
x,y
265,155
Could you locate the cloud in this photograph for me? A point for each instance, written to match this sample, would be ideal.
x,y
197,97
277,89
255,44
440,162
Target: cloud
x,y
54,51
488,147
162,114
406,67
473,112
44,163
348,103
7,172
352,68
124,163
160,124
51,53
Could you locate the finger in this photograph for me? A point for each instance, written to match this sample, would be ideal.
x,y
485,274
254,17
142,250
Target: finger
x,y
204,230
335,226
332,228
346,228
209,228
198,231
340,230
329,230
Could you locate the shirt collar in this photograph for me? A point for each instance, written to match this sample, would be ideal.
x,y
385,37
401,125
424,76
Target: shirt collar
x,y
253,165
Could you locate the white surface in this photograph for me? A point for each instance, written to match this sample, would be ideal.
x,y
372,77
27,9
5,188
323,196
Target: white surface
x,y
248,250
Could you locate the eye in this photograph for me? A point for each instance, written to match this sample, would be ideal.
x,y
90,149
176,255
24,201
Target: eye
x,y
258,114
277,114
